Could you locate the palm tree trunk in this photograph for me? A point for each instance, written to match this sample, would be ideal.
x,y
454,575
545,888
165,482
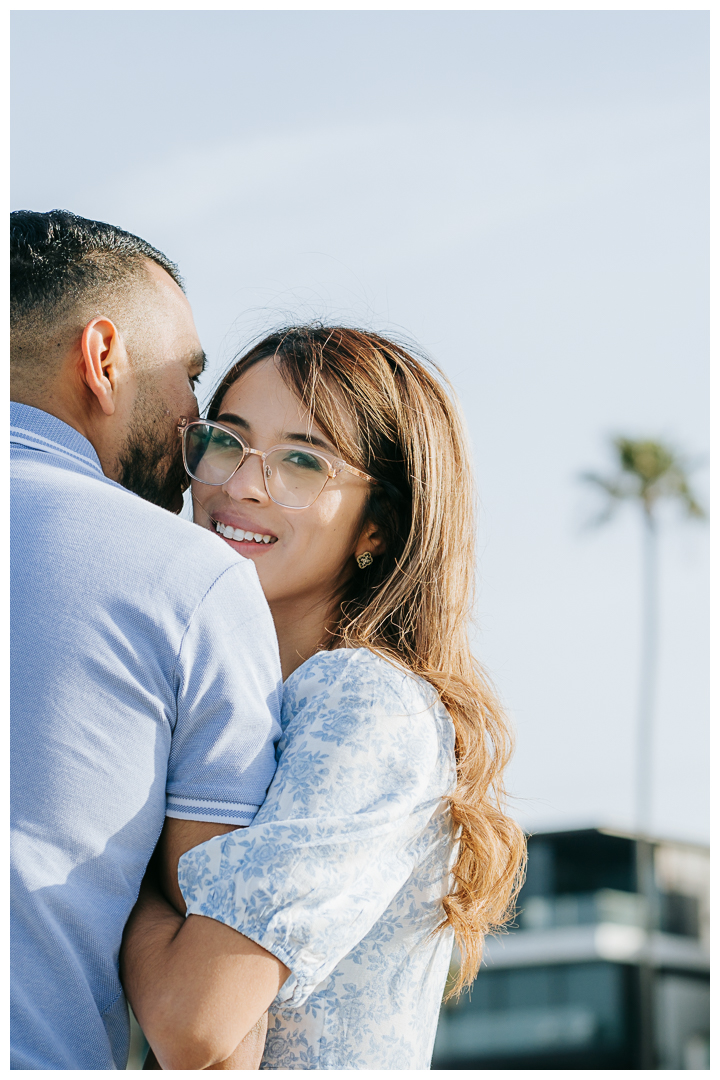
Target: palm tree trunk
x,y
648,678
644,788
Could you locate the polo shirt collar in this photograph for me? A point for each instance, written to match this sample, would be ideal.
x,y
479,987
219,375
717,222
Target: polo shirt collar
x,y
38,430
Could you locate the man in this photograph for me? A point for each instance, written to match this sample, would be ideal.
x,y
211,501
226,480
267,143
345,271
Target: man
x,y
145,679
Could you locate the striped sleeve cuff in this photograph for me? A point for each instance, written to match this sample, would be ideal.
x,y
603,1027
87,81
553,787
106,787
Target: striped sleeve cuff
x,y
224,813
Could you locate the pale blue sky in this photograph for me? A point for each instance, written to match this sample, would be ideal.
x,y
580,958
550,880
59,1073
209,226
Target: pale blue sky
x,y
526,195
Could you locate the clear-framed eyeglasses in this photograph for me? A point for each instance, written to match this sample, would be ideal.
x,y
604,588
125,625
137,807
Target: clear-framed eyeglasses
x,y
294,476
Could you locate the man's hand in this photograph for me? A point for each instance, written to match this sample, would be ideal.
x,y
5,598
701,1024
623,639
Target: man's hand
x,y
197,987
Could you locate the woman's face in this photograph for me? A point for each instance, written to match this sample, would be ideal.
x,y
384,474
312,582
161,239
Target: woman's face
x,y
311,551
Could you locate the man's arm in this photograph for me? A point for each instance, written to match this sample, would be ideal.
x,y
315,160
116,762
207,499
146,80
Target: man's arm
x,y
197,987
177,837
247,1056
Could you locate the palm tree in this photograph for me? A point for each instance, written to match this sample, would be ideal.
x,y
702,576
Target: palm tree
x,y
649,474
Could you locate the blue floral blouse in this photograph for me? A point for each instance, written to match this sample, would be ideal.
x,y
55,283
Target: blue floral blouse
x,y
342,871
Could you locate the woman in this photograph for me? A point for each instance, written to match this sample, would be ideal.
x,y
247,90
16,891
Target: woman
x,y
337,462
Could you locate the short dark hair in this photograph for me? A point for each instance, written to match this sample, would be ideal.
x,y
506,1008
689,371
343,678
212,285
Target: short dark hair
x,y
64,268
55,257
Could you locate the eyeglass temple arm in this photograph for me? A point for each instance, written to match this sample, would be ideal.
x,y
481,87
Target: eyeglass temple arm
x,y
356,472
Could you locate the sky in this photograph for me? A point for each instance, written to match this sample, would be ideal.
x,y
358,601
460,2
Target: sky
x,y
525,195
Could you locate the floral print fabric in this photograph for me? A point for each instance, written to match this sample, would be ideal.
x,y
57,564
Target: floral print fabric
x,y
342,871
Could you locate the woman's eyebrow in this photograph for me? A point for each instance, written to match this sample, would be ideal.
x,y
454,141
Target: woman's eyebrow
x,y
294,436
287,436
231,418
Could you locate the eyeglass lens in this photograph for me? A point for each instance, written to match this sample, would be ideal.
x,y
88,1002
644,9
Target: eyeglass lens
x,y
211,454
293,477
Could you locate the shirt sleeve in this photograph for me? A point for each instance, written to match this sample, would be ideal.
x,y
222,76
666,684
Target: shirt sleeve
x,y
364,760
228,693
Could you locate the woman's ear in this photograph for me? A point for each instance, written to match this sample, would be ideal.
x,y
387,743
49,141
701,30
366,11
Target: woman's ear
x,y
371,539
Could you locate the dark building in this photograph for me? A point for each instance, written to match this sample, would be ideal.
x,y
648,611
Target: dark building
x,y
607,967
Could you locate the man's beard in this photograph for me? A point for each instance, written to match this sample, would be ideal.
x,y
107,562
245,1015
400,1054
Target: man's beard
x,y
150,463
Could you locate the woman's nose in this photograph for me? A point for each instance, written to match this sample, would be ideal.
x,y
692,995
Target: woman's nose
x,y
247,482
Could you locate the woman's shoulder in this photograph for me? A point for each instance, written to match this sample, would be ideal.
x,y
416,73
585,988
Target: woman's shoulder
x,y
362,707
358,671
362,679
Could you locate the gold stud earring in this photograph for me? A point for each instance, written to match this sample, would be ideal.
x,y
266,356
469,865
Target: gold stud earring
x,y
364,560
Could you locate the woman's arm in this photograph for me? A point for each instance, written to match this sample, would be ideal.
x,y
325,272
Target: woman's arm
x,y
197,987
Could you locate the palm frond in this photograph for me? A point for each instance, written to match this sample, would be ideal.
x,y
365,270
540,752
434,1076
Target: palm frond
x,y
602,518
649,472
608,484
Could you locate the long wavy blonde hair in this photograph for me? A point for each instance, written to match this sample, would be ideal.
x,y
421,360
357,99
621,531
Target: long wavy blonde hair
x,y
389,414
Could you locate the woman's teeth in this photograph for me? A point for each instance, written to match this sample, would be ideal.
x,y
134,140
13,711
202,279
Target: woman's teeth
x,y
241,534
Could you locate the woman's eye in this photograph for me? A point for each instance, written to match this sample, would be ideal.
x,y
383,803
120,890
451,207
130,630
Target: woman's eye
x,y
225,441
303,461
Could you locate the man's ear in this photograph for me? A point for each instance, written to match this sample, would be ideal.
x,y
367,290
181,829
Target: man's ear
x,y
103,359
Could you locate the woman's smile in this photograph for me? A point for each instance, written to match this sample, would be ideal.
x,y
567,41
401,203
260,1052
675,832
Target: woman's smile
x,y
245,536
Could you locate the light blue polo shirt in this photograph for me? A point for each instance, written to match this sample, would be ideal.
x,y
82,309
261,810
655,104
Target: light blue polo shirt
x,y
145,681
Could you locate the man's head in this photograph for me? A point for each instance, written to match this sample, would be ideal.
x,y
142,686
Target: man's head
x,y
102,336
